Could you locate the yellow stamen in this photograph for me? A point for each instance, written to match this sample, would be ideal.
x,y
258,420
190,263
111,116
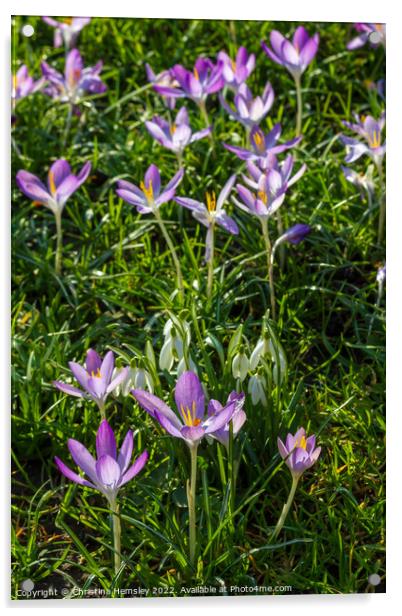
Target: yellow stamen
x,y
96,374
189,415
196,74
67,20
52,185
262,195
148,192
211,201
375,139
173,129
14,82
302,443
259,140
233,66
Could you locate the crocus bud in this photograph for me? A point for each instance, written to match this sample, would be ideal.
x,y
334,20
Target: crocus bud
x,y
294,234
299,452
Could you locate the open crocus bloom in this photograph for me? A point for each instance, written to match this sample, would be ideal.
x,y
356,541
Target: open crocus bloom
x,y
212,212
299,452
23,84
284,168
192,424
67,30
96,378
206,78
295,55
175,136
262,144
150,195
248,110
235,72
374,34
238,418
61,184
76,81
370,130
111,470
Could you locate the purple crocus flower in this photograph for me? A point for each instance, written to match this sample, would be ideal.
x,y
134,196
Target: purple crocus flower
x,y
295,55
165,79
212,212
206,78
284,168
96,378
248,110
175,136
238,418
23,84
61,184
370,130
262,145
110,470
193,424
235,72
270,186
374,34
76,81
150,196
299,452
67,30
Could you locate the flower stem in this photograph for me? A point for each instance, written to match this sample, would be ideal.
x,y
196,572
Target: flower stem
x,y
299,106
264,225
204,113
211,260
114,509
282,246
381,220
68,125
172,252
286,508
231,473
59,242
191,490
101,406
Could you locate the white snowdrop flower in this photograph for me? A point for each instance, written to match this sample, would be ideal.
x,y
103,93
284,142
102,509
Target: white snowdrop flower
x,y
240,365
257,387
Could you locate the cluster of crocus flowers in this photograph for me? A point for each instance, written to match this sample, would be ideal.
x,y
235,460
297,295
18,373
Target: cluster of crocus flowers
x,y
191,423
371,33
61,184
96,378
108,473
66,30
295,55
76,81
210,214
300,453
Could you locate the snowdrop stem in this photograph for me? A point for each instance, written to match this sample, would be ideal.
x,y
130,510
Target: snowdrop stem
x,y
268,250
286,508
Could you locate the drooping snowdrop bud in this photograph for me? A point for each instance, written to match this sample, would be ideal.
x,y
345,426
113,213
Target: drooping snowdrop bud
x,y
240,365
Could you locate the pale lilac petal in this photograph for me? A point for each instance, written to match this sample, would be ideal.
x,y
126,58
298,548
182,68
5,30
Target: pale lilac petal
x,y
152,175
309,51
157,133
220,419
105,441
59,171
32,187
93,362
201,134
227,223
79,373
223,195
108,471
191,204
182,117
175,181
126,451
168,425
135,468
189,394
152,404
68,389
82,458
282,449
119,378
192,433
107,366
67,472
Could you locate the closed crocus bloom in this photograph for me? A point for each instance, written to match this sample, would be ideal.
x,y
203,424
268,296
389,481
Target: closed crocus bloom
x,y
295,55
66,30
238,418
191,423
111,470
294,234
235,72
299,452
176,136
240,365
95,378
